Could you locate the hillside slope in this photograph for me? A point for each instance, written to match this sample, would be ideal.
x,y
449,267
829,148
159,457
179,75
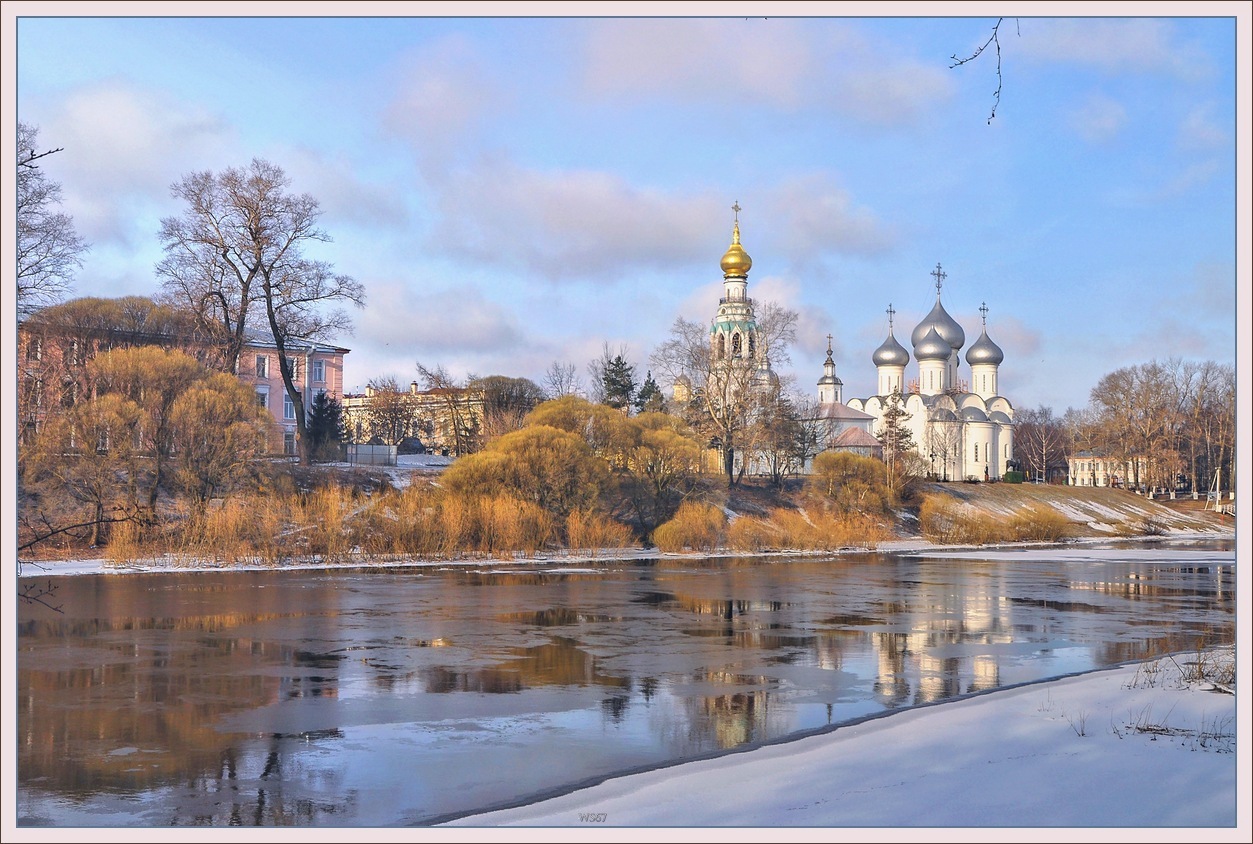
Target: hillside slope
x,y
1092,511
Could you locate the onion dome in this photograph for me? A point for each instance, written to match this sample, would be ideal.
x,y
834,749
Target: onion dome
x,y
891,353
984,351
943,324
735,262
932,347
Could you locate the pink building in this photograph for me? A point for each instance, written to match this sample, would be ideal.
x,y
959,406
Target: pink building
x,y
316,368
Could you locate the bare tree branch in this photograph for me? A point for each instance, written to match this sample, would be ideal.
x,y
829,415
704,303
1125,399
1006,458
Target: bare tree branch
x,y
35,594
995,39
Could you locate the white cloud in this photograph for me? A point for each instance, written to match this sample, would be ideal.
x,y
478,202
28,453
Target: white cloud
x,y
457,319
341,193
1199,130
725,61
1098,119
561,225
774,64
1127,45
815,217
124,147
443,96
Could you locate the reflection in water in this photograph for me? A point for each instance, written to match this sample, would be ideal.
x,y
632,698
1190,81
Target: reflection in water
x,y
148,689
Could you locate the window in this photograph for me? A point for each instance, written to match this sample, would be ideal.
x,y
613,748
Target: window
x,y
263,399
736,344
289,409
319,371
289,442
976,452
293,368
35,349
263,366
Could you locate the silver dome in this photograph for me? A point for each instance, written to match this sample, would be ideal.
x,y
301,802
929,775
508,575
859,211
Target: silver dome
x,y
984,351
944,325
932,346
891,353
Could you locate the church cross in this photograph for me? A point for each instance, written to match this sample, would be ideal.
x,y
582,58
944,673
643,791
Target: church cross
x,y
891,313
983,309
736,208
939,275
828,344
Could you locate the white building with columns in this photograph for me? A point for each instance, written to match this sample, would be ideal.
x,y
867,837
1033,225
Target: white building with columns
x,y
963,428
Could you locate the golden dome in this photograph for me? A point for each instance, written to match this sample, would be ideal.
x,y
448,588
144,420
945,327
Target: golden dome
x,y
736,261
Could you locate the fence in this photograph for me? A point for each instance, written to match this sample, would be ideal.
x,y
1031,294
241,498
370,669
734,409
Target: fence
x,y
371,455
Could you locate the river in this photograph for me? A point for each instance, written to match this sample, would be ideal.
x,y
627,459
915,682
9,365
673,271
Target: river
x,y
381,698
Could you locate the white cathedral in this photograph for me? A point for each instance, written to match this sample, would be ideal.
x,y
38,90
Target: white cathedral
x,y
962,434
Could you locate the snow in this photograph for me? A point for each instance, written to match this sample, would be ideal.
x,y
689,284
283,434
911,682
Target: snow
x,y
1134,746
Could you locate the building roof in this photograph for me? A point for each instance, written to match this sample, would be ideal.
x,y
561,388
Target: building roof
x,y
839,410
855,438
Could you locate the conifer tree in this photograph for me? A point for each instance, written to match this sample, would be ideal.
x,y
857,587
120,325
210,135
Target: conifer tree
x,y
326,426
649,399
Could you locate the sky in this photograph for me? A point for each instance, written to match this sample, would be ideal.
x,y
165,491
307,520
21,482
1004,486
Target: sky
x,y
518,191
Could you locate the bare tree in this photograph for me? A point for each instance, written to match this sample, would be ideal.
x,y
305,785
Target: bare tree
x,y
392,411
461,413
1039,440
723,386
48,248
561,379
236,253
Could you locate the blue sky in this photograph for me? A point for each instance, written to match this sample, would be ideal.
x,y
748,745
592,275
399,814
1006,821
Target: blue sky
x,y
513,192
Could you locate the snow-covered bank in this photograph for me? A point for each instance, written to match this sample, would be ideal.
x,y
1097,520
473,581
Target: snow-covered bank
x,y
1132,747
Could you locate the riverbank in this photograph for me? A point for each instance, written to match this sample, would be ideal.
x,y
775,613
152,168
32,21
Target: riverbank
x,y
1142,746
102,565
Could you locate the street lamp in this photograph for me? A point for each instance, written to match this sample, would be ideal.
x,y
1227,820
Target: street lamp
x,y
933,465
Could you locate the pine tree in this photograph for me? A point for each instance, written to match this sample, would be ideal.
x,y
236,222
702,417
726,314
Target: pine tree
x,y
649,399
618,382
893,433
326,426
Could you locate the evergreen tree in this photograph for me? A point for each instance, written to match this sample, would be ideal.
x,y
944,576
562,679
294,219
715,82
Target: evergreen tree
x,y
326,426
614,379
649,399
893,433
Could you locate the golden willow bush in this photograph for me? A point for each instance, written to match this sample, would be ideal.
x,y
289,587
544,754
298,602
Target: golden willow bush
x,y
953,523
792,530
695,527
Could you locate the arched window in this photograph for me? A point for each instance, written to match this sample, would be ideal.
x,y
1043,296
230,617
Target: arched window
x,y
976,452
736,344
752,344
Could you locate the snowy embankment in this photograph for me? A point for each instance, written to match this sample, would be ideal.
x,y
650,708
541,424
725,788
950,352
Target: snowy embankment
x,y
1147,745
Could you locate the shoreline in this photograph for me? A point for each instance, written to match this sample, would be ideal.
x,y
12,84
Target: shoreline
x,y
69,567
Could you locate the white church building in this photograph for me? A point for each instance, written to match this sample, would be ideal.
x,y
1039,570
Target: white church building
x,y
963,428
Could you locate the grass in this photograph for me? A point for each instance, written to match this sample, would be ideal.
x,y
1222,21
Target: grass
x,y
953,522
